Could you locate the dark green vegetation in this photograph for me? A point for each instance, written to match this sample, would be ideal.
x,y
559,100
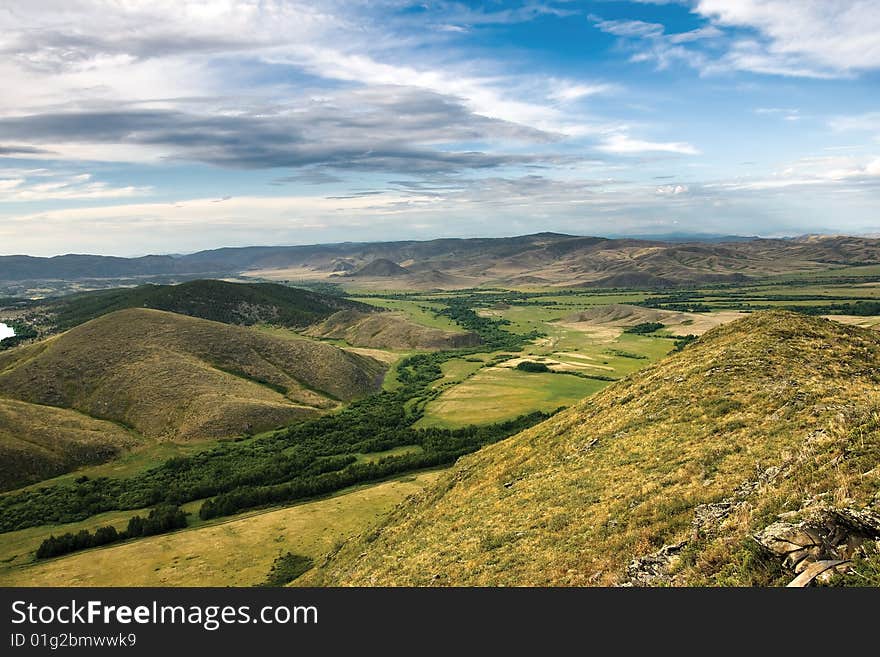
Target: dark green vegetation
x,y
532,366
219,301
807,298
24,332
138,376
287,568
164,518
312,458
373,438
644,328
492,332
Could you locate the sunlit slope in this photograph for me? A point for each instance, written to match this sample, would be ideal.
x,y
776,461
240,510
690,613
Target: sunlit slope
x,y
176,377
37,442
773,413
388,331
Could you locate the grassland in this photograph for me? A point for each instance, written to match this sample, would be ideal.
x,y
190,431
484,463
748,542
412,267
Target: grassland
x,y
388,330
496,394
170,376
38,442
237,551
420,312
482,387
486,391
775,415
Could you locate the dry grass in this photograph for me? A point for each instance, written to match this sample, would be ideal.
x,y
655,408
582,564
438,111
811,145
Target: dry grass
x,y
235,552
388,331
170,376
38,442
573,500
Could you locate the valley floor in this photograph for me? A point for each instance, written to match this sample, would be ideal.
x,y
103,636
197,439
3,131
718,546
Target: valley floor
x,y
235,551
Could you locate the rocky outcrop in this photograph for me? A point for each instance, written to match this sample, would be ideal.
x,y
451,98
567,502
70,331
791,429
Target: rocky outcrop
x,y
822,544
654,568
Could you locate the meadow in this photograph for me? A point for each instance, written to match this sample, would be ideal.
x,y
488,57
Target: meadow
x,y
288,490
237,551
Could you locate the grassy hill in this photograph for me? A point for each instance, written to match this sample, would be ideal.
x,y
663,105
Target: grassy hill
x,y
168,376
219,301
768,426
381,267
38,442
388,331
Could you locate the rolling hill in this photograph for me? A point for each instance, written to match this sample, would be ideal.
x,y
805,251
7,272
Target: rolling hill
x,y
749,458
219,301
380,268
542,259
171,377
388,331
38,442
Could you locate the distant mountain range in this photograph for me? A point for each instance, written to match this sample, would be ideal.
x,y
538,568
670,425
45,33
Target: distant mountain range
x,y
539,259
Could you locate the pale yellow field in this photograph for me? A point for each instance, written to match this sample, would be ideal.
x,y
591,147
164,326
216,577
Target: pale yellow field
x,y
856,320
236,552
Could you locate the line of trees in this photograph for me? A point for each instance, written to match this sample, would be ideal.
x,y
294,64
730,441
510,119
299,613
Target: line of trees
x,y
164,518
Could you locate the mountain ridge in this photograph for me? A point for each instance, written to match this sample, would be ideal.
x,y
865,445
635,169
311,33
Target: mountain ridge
x,y
557,258
680,464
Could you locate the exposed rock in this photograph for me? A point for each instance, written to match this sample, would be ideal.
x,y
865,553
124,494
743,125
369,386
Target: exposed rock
x,y
828,536
818,570
653,568
707,517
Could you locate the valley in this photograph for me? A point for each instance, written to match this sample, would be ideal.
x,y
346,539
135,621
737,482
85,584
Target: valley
x,y
251,407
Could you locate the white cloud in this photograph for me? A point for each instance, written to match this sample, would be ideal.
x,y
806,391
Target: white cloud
x,y
706,32
785,113
868,122
797,38
801,37
672,190
45,186
622,144
566,91
832,171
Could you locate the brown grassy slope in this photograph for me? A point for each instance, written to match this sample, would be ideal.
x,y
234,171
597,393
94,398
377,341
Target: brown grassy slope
x,y
38,442
388,331
170,376
764,408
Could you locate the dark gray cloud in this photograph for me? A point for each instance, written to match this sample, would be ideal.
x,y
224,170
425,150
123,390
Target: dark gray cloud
x,y
6,151
397,129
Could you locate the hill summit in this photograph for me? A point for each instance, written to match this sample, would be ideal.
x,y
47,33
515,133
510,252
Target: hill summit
x,y
380,267
715,466
162,376
219,301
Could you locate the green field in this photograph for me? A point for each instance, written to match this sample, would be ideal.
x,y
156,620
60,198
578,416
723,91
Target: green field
x,y
236,551
475,386
421,312
496,394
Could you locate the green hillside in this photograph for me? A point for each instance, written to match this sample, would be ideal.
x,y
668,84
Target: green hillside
x,y
38,442
745,459
388,331
219,301
173,377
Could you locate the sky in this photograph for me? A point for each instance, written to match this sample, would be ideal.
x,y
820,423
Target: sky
x,y
130,127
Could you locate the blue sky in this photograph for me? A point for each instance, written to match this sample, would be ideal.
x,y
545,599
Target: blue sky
x,y
174,125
